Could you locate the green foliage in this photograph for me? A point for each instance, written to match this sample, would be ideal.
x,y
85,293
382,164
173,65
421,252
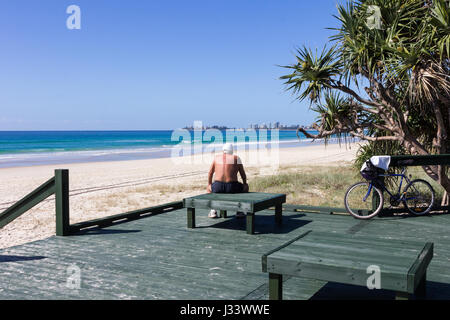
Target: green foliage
x,y
313,69
399,51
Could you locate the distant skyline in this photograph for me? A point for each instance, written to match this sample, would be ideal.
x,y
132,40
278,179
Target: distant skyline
x,y
154,65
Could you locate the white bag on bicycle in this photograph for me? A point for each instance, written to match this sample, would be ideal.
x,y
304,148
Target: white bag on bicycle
x,y
371,168
381,162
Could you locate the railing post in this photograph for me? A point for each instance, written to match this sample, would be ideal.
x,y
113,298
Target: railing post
x,y
376,202
62,202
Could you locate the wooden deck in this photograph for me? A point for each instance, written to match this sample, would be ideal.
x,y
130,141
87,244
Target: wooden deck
x,y
157,257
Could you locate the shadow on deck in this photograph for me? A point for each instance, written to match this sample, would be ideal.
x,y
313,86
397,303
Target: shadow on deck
x,y
157,257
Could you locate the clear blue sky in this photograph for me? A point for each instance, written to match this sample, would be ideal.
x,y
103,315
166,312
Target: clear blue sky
x,y
153,64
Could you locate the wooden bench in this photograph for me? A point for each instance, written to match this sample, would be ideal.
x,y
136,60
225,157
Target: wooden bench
x,y
249,203
350,259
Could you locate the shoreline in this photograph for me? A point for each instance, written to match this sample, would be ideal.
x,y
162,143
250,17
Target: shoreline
x,y
17,160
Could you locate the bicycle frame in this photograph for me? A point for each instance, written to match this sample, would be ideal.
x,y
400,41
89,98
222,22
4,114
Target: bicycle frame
x,y
402,175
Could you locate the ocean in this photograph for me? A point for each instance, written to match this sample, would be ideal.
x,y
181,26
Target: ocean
x,y
27,148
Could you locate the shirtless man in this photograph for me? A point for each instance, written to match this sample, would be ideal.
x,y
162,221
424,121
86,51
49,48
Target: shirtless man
x,y
225,168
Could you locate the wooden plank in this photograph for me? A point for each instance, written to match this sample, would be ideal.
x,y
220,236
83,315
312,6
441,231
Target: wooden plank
x,y
158,258
419,267
245,202
275,286
250,223
62,202
29,201
218,205
191,218
278,214
314,209
135,214
264,256
345,259
326,272
344,241
270,201
420,160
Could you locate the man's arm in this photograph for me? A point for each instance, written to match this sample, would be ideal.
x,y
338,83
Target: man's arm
x,y
242,173
210,175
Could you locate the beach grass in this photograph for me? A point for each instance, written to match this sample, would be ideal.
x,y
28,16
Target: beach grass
x,y
320,185
308,185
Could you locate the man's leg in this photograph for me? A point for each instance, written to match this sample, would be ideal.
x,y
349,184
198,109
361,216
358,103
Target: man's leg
x,y
216,187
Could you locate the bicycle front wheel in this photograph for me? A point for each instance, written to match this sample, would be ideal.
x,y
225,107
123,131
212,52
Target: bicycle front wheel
x,y
418,197
359,200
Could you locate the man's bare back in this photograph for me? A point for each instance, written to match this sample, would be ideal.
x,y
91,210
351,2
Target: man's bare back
x,y
225,168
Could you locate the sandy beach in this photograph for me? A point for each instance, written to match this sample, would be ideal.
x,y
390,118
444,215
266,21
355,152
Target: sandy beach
x,y
99,189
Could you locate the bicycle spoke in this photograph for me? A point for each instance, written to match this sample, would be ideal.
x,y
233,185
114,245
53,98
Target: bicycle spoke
x,y
359,200
419,197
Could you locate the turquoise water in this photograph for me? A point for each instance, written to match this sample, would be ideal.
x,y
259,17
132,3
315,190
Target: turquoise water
x,y
19,148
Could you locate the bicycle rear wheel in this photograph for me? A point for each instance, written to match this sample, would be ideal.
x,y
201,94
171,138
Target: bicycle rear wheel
x,y
358,200
419,197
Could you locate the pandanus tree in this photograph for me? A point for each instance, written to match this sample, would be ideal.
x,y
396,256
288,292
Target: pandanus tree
x,y
384,78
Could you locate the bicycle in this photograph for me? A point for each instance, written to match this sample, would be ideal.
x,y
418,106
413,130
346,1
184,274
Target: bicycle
x,y
418,196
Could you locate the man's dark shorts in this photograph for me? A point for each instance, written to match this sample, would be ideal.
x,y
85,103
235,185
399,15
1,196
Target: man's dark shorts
x,y
227,187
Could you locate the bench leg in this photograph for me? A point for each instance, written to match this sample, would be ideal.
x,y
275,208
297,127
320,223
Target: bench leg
x,y
278,214
421,290
275,286
191,218
223,213
250,223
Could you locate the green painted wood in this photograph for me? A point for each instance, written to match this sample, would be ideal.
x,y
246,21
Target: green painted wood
x,y
400,295
275,286
157,257
278,214
421,288
250,203
191,218
29,201
345,259
271,201
417,272
264,256
420,160
318,209
62,202
250,223
223,213
246,202
135,214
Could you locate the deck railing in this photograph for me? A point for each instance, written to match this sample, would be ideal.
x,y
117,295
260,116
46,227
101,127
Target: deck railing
x,y
396,161
59,186
417,160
